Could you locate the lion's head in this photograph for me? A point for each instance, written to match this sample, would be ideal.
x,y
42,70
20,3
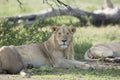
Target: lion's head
x,y
63,36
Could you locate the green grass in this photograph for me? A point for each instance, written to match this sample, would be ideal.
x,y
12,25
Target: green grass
x,y
84,38
47,73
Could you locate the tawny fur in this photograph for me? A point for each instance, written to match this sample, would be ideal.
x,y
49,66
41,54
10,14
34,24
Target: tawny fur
x,y
103,51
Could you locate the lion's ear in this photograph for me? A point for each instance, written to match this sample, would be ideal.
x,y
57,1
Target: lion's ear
x,y
73,29
54,29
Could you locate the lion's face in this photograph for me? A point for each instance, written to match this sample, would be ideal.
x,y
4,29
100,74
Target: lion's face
x,y
63,36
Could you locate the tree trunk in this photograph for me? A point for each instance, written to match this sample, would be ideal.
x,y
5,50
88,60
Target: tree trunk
x,y
31,18
108,15
111,13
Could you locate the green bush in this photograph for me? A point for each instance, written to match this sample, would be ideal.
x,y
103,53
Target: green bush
x,y
18,35
80,48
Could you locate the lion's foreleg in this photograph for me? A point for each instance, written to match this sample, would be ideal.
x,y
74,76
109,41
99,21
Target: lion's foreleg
x,y
64,63
78,64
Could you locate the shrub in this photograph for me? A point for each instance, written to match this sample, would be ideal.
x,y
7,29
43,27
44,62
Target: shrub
x,y
80,49
18,35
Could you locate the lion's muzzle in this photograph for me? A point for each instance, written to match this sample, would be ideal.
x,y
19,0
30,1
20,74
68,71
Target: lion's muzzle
x,y
64,44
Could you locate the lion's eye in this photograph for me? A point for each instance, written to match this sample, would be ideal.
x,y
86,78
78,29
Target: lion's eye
x,y
59,33
67,33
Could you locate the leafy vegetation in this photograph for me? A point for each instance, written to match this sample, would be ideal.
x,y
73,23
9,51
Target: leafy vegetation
x,y
18,35
84,38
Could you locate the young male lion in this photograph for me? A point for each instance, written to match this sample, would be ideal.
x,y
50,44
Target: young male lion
x,y
57,51
111,50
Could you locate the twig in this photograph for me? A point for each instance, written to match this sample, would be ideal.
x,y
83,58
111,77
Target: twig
x,y
46,1
20,3
60,2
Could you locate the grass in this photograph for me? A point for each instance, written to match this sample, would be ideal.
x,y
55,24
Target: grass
x,y
75,74
84,38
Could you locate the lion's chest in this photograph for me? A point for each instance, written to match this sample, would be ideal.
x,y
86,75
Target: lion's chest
x,y
31,54
58,54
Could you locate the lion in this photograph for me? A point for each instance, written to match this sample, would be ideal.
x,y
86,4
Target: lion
x,y
111,50
57,51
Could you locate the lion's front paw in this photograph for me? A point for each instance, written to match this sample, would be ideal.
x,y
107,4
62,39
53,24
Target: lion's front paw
x,y
87,66
83,66
25,74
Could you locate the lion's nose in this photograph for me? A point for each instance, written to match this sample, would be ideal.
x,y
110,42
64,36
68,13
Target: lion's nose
x,y
64,40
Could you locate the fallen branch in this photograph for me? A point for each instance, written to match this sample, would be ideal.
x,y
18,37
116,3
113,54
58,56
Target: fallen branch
x,y
111,13
50,13
98,17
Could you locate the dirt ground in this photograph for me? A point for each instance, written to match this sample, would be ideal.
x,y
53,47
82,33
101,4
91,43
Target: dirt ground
x,y
15,77
12,77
